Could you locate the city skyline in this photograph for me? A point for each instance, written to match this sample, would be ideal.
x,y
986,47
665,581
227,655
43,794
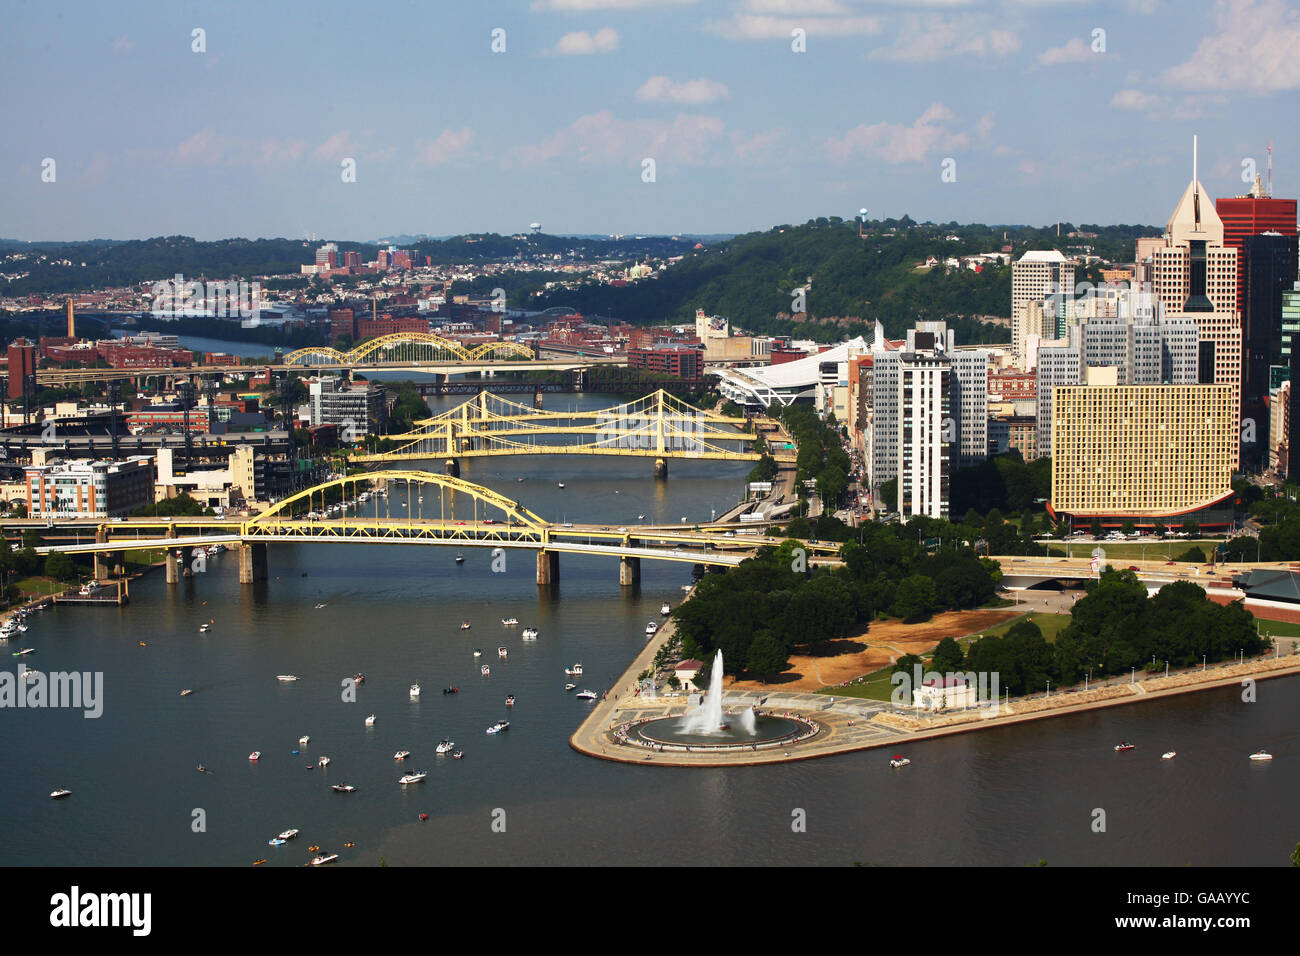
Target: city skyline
x,y
247,136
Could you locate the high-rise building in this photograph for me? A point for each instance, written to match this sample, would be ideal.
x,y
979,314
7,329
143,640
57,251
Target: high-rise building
x,y
1145,453
22,368
351,260
1268,266
1251,215
1195,274
327,256
1039,274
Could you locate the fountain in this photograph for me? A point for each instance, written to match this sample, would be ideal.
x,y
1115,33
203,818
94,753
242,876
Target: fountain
x,y
709,726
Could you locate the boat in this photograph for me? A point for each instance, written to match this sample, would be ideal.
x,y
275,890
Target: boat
x,y
288,834
485,671
529,634
687,587
665,609
276,841
258,862
451,690
445,747
322,761
510,621
574,671
24,652
255,755
60,793
286,678
370,721
464,625
323,859
302,741
570,686
416,777
87,589
204,628
202,769
499,726
457,755
587,694
477,652
651,627
358,678
510,701
502,652
343,788
560,484
640,517
1123,745
186,692
415,690
898,760
401,755
424,816
460,558
1261,755
1170,755
313,849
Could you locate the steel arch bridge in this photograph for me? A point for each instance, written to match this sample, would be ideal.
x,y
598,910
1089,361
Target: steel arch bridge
x,y
407,348
658,425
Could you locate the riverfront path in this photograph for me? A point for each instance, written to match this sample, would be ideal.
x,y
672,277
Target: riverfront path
x,y
848,723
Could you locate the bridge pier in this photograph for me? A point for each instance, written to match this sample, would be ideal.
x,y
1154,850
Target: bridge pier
x,y
537,398
173,567
629,571
548,567
101,558
187,557
661,468
453,467
252,563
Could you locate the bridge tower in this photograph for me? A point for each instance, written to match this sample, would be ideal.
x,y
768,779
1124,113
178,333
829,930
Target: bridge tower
x,y
548,568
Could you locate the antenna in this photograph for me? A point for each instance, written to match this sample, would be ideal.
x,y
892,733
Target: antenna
x,y
1269,190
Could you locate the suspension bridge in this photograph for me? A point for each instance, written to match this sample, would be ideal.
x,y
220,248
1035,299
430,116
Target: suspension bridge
x,y
658,426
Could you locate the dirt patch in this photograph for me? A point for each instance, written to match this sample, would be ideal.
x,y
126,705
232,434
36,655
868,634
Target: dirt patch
x,y
884,643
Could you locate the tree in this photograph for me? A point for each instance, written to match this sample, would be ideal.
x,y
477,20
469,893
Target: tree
x,y
1127,528
1159,529
60,567
1194,555
1095,528
1192,529
767,656
914,600
948,656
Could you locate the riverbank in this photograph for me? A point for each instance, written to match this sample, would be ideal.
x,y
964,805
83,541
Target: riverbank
x,y
852,724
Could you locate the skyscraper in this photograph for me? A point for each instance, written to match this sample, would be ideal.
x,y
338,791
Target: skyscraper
x,y
1039,274
1251,215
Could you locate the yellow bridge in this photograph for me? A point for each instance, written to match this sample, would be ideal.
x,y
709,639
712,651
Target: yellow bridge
x,y
658,426
458,513
408,348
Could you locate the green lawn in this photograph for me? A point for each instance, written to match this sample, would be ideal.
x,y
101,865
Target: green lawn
x,y
1278,628
1050,624
39,585
1127,551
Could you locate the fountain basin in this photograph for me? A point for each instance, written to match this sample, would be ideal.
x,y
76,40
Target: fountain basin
x,y
666,732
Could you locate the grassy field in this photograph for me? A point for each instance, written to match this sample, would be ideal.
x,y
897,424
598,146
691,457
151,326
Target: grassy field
x,y
1278,628
1050,624
1128,551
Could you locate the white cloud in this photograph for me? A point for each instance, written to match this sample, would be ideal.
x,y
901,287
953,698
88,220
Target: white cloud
x,y
932,37
450,144
754,26
1074,51
336,147
1253,49
896,143
123,44
1133,100
659,89
586,6
603,138
582,43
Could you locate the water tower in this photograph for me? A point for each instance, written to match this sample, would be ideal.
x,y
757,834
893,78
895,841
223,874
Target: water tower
x,y
862,221
535,227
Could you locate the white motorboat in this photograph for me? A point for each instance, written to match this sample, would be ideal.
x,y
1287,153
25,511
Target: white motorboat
x,y
560,484
60,793
276,841
447,746
24,652
323,859
502,652
87,589
570,686
898,760
460,558
464,625
510,701
529,634
302,741
651,627
477,652
485,671
343,788
574,671
416,777
415,690
370,721
323,762
665,610
510,621
286,678
1170,755
186,692
401,755
255,755
288,835
586,694
204,628
499,726
640,517
1261,755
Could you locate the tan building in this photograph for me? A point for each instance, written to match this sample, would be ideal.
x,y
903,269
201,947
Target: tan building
x,y
1195,275
1038,274
1142,451
1279,427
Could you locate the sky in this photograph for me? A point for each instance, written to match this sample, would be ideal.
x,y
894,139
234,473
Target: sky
x,y
239,118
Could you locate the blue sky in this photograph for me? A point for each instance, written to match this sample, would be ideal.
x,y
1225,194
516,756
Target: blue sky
x,y
247,138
